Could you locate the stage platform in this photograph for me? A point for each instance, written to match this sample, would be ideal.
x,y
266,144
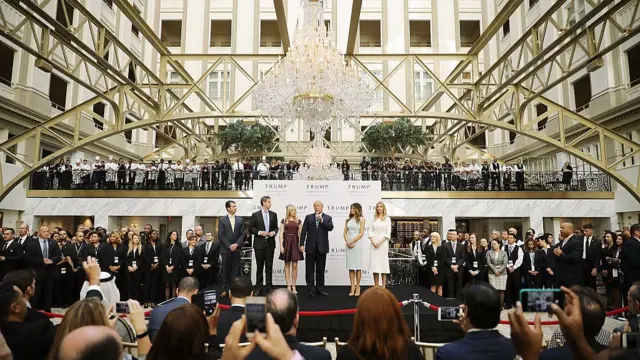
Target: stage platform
x,y
313,328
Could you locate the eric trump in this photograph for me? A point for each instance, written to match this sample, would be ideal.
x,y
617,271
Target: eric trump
x,y
314,241
264,227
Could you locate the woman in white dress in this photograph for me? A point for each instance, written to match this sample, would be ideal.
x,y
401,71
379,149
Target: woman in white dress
x,y
353,232
379,236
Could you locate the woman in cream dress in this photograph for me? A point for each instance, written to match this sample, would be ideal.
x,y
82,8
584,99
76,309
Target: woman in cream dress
x,y
353,232
379,236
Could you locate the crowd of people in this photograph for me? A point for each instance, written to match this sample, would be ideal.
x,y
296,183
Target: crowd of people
x,y
578,257
394,174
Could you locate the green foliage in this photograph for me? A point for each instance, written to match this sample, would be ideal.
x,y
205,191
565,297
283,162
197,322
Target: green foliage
x,y
243,139
389,139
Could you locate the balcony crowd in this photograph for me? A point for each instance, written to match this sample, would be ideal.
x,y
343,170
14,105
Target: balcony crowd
x,y
394,175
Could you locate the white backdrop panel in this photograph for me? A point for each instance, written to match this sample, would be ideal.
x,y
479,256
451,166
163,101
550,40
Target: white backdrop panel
x,y
337,197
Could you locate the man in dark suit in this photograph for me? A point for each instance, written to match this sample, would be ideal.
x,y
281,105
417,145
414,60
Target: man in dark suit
x,y
630,258
240,289
264,227
42,255
11,255
209,261
187,287
25,280
314,241
231,235
590,256
515,257
23,234
454,265
593,317
283,306
481,314
568,257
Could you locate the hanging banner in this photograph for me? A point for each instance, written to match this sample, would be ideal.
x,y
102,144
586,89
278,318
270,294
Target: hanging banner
x,y
337,197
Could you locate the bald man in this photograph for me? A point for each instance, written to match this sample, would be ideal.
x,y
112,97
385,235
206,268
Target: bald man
x,y
314,242
568,257
42,254
91,342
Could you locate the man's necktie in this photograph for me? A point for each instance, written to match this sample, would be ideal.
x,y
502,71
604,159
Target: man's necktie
x,y
510,249
208,247
45,249
454,248
191,252
5,247
265,214
232,220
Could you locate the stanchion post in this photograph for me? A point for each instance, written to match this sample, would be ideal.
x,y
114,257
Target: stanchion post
x,y
416,316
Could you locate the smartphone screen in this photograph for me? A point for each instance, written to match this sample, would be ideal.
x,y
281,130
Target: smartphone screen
x,y
122,307
631,340
448,313
540,300
210,301
255,311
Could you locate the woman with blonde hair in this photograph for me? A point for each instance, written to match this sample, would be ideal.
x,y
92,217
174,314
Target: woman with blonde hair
x,y
91,312
353,232
135,262
379,236
436,256
290,228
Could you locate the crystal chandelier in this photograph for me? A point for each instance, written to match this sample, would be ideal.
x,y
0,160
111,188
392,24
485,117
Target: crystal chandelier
x,y
315,84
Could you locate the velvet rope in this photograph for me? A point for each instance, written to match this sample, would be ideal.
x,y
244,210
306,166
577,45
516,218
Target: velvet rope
x,y
353,311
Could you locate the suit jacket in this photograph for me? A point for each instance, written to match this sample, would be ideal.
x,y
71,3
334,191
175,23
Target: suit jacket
x,y
160,313
150,255
257,224
478,345
212,256
568,270
460,255
88,250
308,352
549,259
107,256
228,236
227,318
312,234
432,256
480,258
13,257
630,260
593,253
497,264
538,262
34,258
29,340
171,255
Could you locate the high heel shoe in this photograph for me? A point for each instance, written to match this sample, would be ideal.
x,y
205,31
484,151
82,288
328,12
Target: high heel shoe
x,y
293,289
357,291
352,290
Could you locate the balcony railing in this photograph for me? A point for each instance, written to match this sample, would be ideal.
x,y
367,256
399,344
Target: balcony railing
x,y
146,179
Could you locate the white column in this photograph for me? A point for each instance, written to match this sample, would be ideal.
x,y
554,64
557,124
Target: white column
x,y
446,26
536,222
102,220
195,40
448,222
245,35
188,222
394,35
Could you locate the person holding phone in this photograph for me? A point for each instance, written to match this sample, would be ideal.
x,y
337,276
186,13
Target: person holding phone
x,y
497,263
314,241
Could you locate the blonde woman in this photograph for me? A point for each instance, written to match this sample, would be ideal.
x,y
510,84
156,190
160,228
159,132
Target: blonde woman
x,y
353,232
379,236
290,228
135,263
436,257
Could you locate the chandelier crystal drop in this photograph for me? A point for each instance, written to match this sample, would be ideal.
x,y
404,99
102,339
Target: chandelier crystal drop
x,y
315,84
